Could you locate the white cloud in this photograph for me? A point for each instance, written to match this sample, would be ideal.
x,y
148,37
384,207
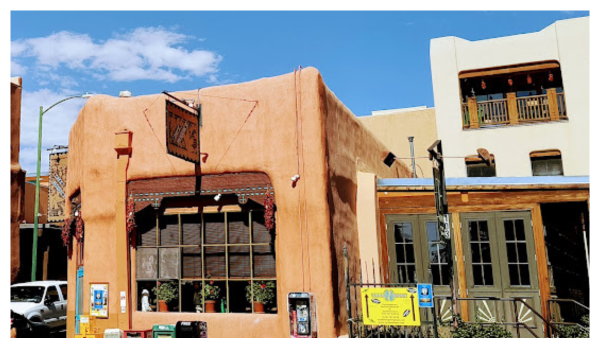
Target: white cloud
x,y
57,123
146,53
17,69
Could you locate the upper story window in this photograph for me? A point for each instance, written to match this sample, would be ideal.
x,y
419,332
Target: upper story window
x,y
476,167
512,95
546,163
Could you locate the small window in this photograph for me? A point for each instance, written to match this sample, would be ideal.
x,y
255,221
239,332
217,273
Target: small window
x,y
63,289
476,167
546,163
52,294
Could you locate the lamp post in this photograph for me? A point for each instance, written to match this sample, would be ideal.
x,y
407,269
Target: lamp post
x,y
37,182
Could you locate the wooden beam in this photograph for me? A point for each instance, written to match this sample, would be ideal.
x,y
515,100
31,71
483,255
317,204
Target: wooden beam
x,y
542,261
508,70
513,111
461,272
474,208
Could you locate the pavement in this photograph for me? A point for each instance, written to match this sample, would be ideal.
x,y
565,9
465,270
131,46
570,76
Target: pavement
x,y
59,334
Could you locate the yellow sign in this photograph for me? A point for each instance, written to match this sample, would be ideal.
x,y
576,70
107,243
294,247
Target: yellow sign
x,y
390,306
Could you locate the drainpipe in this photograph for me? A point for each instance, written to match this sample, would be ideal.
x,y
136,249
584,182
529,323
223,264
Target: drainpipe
x,y
412,155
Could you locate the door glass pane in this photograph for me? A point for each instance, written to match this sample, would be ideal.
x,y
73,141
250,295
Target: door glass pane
x,y
437,255
405,255
480,253
516,249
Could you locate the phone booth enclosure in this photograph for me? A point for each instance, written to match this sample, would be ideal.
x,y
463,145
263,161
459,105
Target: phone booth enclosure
x,y
163,331
194,329
302,313
138,334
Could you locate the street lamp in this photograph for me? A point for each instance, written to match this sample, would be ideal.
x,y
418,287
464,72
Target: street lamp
x,y
37,182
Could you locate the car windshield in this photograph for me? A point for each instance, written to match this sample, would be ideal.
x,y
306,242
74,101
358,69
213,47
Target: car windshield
x,y
33,294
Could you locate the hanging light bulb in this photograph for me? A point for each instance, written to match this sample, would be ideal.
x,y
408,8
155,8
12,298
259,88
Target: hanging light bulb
x,y
529,80
483,86
510,82
550,77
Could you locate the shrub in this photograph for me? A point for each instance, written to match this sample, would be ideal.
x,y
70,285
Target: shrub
x,y
478,330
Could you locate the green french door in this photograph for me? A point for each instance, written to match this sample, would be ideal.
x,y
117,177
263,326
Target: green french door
x,y
414,247
500,262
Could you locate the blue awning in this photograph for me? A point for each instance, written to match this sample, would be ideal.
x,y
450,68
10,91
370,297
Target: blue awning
x,y
540,182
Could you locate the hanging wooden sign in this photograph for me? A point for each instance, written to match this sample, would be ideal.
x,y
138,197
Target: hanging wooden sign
x,y
182,133
56,188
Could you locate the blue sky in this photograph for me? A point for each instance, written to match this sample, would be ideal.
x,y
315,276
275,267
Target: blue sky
x,y
371,60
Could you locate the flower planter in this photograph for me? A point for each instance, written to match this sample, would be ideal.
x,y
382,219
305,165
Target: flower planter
x,y
162,306
210,306
259,307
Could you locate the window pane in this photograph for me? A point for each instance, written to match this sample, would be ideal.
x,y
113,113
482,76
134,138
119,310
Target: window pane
x,y
410,253
403,232
191,297
147,304
146,227
509,230
63,289
237,297
214,228
191,227
473,231
433,234
239,261
436,274
146,263
192,262
412,275
443,253
169,230
520,227
477,274
239,230
168,267
260,234
475,254
488,275
524,269
214,256
511,251
433,254
486,253
400,257
513,272
445,274
264,261
483,231
522,247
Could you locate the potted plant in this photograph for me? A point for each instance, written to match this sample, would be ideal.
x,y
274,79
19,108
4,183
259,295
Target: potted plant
x,y
264,292
165,293
211,294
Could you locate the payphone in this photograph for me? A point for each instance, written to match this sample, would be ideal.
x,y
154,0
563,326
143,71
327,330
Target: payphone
x,y
303,314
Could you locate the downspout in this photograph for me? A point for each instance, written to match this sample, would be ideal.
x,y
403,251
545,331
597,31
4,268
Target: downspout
x,y
412,155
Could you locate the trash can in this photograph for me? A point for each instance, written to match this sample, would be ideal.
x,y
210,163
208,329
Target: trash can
x,y
163,331
195,329
138,333
113,333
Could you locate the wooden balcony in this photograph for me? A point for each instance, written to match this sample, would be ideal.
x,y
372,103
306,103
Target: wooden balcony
x,y
514,110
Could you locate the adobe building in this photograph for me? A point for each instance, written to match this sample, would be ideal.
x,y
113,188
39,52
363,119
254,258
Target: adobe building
x,y
286,140
17,176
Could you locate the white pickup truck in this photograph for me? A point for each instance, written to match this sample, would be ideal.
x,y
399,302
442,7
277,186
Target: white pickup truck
x,y
43,301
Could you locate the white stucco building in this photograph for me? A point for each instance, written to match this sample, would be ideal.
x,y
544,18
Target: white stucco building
x,y
531,95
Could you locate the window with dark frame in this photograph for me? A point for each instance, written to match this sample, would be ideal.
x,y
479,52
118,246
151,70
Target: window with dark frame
x,y
230,250
481,259
476,167
405,253
437,255
516,252
546,163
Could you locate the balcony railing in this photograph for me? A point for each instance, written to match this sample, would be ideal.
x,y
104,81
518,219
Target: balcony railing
x,y
514,110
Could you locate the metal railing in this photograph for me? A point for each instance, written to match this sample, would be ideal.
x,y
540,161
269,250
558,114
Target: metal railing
x,y
557,315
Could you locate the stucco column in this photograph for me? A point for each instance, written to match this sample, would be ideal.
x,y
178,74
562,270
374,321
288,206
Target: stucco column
x,y
123,149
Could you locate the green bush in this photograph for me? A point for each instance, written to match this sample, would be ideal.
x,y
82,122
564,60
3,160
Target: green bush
x,y
573,331
478,330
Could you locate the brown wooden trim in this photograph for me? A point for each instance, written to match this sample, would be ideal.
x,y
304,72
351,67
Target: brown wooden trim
x,y
545,153
542,262
476,159
461,272
385,266
508,70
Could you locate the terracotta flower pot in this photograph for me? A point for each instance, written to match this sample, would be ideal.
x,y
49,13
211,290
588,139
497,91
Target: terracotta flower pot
x,y
259,307
162,306
210,306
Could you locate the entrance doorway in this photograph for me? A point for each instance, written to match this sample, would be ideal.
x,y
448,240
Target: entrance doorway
x,y
500,262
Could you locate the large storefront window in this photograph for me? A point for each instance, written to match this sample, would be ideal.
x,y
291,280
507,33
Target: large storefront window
x,y
204,260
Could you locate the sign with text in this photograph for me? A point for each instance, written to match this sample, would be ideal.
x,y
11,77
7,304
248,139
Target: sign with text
x,y
425,292
56,188
183,133
390,306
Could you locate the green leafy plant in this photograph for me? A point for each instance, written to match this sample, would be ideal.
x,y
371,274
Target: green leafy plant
x,y
166,291
574,331
211,291
478,330
264,292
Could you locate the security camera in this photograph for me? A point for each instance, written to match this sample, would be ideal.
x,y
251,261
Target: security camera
x,y
295,178
218,197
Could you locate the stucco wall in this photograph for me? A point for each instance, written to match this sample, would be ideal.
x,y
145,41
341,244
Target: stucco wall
x,y
282,136
565,41
393,129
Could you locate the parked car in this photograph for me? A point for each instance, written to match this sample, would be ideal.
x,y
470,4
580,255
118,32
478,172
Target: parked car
x,y
41,302
24,328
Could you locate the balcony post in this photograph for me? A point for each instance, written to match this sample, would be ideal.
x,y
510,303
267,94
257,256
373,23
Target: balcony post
x,y
473,113
513,111
552,103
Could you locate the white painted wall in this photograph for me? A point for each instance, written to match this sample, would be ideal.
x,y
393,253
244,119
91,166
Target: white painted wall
x,y
565,41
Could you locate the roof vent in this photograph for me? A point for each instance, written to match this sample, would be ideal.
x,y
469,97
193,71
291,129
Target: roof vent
x,y
125,93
